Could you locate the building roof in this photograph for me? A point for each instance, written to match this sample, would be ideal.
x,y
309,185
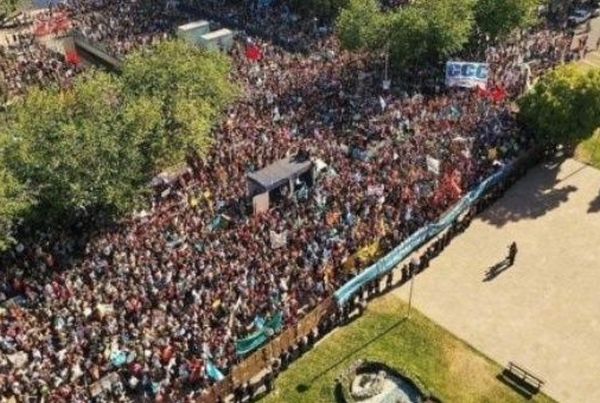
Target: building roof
x,y
193,25
217,34
279,172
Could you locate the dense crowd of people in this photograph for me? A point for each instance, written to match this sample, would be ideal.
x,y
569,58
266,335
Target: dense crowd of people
x,y
124,26
162,299
25,63
120,27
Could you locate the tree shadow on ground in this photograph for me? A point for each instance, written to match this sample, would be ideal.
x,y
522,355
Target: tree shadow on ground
x,y
532,196
60,239
304,387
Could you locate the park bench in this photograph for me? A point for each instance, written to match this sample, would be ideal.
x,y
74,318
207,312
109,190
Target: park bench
x,y
522,378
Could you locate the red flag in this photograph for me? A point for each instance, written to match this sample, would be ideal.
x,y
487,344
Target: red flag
x,y
254,53
73,58
498,94
455,183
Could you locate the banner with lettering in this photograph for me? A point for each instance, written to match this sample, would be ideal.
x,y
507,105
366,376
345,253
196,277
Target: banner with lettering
x,y
416,240
467,74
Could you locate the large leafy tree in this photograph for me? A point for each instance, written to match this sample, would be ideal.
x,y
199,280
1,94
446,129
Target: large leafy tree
x,y
446,29
498,18
73,149
14,203
9,6
564,106
93,148
361,25
423,32
188,86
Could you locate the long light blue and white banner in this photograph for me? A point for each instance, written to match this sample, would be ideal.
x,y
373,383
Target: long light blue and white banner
x,y
467,74
420,237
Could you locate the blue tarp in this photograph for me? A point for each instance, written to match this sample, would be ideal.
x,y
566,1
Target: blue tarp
x,y
391,260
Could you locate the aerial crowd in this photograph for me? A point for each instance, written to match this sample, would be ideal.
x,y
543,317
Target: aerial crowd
x,y
167,293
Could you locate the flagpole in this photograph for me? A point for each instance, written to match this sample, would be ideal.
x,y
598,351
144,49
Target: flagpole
x,y
386,79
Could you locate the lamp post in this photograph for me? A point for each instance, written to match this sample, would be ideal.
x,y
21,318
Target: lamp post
x,y
410,292
386,84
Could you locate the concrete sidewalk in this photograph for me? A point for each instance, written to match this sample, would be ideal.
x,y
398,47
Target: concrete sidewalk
x,y
544,311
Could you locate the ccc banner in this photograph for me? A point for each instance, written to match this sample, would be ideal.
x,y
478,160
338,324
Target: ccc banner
x,y
466,74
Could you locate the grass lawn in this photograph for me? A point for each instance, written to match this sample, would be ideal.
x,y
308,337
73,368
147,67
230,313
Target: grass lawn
x,y
445,365
588,151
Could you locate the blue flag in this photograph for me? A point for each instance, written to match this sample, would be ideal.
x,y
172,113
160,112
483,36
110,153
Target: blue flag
x,y
213,372
258,338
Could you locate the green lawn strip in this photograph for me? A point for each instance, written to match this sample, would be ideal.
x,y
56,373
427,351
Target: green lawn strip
x,y
445,365
588,151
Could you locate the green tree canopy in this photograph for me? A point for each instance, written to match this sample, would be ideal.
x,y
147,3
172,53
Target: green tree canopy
x,y
189,86
430,30
73,150
94,147
498,18
14,203
421,33
360,25
564,105
9,6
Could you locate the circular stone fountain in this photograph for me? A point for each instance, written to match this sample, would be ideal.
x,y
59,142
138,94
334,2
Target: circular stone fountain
x,y
372,382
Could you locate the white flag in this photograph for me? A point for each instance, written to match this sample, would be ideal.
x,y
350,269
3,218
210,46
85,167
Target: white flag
x,y
382,103
278,240
433,165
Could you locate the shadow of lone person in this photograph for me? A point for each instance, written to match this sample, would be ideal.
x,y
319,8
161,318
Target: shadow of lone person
x,y
495,270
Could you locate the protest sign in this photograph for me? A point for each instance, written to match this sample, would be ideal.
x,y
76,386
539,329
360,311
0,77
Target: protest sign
x,y
278,240
433,165
375,190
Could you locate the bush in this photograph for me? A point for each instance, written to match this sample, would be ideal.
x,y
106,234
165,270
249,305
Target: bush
x,y
563,107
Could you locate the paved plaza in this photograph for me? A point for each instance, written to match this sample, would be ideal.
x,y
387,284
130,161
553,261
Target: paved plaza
x,y
543,312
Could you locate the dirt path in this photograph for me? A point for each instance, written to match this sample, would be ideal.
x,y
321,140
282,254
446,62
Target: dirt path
x,y
543,311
